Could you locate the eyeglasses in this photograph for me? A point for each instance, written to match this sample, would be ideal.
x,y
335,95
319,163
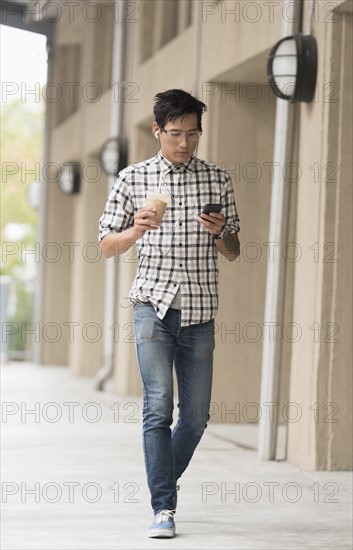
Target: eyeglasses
x,y
176,135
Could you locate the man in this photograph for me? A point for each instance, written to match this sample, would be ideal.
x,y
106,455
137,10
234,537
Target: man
x,y
175,290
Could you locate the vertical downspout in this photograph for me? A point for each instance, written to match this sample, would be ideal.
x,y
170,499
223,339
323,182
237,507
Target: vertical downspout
x,y
286,118
197,63
42,211
110,265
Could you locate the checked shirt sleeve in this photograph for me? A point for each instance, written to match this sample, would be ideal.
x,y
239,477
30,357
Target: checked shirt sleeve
x,y
118,213
228,202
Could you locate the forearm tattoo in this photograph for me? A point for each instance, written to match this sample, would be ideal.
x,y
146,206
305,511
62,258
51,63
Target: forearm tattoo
x,y
232,244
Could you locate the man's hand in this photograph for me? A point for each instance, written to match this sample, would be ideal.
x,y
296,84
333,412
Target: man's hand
x,y
213,222
229,246
145,219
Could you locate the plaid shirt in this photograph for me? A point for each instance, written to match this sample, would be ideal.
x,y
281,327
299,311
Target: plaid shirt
x,y
181,253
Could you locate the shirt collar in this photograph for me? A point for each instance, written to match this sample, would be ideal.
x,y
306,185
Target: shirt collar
x,y
166,166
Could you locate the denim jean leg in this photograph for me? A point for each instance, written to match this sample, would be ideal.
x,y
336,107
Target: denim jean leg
x,y
155,345
194,368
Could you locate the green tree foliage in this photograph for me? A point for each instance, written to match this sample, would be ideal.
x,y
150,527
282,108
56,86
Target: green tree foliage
x,y
22,130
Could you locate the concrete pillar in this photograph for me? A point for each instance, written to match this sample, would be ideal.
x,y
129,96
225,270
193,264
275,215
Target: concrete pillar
x,y
321,361
55,255
87,282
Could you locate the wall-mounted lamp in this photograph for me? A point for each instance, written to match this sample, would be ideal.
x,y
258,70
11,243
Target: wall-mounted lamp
x,y
70,178
292,68
113,156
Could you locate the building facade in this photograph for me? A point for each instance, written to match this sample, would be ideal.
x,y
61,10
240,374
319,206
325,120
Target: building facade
x,y
217,50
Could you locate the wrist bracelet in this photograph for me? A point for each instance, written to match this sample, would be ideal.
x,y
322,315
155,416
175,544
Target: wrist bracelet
x,y
220,235
227,230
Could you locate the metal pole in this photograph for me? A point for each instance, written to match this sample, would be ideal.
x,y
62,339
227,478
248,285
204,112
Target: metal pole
x,y
271,353
37,355
110,270
197,62
309,28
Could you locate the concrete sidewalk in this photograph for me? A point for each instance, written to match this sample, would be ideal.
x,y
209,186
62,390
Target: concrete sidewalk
x,y
73,478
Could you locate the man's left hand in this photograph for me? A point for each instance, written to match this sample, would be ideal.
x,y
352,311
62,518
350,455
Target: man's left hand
x,y
213,222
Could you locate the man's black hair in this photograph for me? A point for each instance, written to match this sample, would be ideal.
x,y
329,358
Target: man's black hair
x,y
174,104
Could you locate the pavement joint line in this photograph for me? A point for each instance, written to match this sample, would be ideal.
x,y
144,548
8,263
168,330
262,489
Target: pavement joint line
x,y
232,442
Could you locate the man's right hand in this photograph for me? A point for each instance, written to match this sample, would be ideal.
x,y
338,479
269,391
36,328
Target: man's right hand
x,y
145,219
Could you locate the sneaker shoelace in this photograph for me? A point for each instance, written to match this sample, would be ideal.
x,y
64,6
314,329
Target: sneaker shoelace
x,y
164,515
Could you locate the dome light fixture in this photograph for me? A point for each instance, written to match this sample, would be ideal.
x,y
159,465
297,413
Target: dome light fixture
x,y
292,68
113,156
70,178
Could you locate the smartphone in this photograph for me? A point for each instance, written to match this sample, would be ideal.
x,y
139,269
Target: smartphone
x,y
212,207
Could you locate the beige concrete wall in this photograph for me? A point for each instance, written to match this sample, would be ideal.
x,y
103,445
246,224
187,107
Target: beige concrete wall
x,y
57,283
238,133
59,231
339,448
87,294
232,137
74,286
237,380
321,360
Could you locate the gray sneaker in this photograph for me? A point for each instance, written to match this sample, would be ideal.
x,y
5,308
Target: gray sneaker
x,y
163,525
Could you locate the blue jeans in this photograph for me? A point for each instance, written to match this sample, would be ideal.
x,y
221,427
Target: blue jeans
x,y
159,344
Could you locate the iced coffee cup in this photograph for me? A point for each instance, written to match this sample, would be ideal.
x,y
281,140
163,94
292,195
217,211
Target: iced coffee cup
x,y
158,201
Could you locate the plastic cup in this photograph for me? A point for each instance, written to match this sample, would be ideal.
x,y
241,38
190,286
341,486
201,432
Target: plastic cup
x,y
158,201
